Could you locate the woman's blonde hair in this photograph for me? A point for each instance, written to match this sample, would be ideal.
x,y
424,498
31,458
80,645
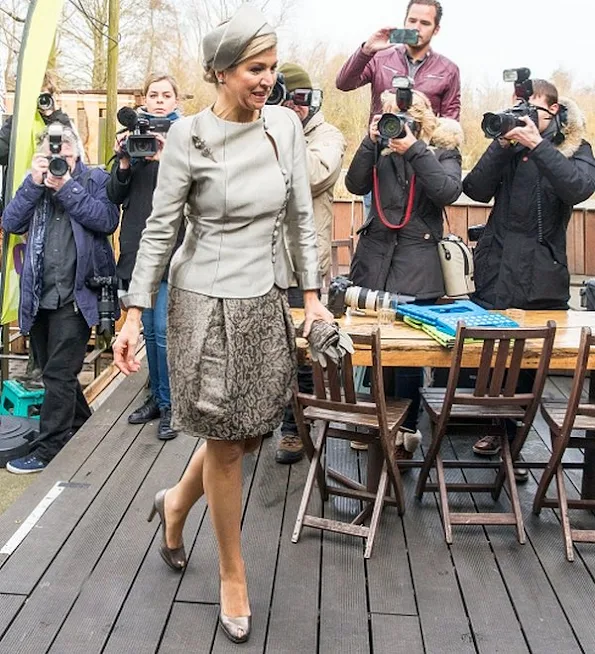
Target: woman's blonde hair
x,y
256,46
158,77
420,111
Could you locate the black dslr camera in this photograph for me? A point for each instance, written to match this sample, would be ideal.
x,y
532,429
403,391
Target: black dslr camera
x,y
392,126
107,304
141,141
495,125
342,294
302,97
58,165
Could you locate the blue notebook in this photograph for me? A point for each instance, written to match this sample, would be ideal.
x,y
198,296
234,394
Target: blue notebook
x,y
446,316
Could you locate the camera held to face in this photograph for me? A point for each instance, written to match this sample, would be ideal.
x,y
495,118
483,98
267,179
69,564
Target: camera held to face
x,y
58,165
141,141
495,125
392,125
302,97
107,304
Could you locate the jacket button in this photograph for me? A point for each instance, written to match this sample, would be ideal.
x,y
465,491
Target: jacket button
x,y
427,237
274,249
273,259
276,232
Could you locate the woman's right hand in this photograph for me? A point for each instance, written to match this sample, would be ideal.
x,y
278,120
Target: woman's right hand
x,y
124,347
374,133
120,152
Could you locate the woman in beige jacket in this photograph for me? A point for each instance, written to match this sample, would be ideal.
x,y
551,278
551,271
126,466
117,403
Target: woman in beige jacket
x,y
240,167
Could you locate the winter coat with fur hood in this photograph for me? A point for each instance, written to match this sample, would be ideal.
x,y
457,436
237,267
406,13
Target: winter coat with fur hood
x,y
406,260
520,260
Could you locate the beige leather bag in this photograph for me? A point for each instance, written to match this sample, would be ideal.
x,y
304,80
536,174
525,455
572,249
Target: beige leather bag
x,y
456,260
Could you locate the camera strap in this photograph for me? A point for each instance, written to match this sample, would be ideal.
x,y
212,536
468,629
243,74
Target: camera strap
x,y
410,200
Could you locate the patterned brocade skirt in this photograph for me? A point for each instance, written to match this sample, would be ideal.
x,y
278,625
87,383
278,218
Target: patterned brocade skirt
x,y
232,363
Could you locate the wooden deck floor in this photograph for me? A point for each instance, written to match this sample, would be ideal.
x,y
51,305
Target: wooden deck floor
x,y
88,577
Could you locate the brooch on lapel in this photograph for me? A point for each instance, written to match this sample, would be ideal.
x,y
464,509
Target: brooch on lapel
x,y
205,150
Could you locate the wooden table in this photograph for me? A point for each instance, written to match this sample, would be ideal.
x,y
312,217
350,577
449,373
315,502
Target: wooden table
x,y
404,346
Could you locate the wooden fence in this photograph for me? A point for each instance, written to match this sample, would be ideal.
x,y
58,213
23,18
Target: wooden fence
x,y
348,217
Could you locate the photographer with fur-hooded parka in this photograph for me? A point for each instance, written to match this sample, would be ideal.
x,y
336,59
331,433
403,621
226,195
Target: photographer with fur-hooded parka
x,y
535,173
417,176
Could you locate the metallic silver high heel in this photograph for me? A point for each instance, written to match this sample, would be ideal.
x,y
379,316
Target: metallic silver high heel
x,y
236,629
176,557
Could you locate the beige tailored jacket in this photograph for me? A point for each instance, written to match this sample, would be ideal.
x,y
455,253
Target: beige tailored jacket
x,y
325,147
249,210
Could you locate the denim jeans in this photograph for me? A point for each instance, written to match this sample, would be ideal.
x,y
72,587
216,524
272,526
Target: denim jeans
x,y
155,330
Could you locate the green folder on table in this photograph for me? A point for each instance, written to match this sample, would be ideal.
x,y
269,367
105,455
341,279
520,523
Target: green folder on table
x,y
446,340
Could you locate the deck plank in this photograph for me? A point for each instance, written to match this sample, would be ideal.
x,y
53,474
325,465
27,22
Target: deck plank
x,y
396,633
50,601
536,603
91,579
343,603
105,591
293,624
494,623
9,607
76,452
143,618
443,617
261,530
187,628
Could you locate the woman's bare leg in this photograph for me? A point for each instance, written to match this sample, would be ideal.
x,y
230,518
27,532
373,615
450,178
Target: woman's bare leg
x,y
217,467
182,497
222,477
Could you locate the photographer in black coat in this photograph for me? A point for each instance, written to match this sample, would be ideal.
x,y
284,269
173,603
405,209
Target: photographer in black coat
x,y
535,174
397,248
132,183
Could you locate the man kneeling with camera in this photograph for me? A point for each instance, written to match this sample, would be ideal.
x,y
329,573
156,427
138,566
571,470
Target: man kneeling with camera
x,y
63,207
537,167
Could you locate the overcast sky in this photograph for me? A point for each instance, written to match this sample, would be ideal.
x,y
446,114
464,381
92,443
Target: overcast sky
x,y
482,36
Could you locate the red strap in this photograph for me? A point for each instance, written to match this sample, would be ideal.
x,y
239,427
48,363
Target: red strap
x,y
410,201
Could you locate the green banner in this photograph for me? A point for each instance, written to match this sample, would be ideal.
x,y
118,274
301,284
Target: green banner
x,y
36,45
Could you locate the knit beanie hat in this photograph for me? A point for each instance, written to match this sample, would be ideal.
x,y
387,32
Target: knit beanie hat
x,y
295,77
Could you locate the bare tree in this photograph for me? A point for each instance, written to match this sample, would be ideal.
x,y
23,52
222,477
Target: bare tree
x,y
13,14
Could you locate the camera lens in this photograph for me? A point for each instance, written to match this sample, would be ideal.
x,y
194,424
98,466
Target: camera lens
x,y
45,101
58,166
391,126
277,94
495,125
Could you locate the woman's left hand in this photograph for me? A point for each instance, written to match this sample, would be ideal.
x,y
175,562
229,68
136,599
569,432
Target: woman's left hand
x,y
400,146
314,310
160,143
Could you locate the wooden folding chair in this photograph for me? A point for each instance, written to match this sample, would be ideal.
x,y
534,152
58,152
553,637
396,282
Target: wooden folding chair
x,y
563,419
335,401
495,398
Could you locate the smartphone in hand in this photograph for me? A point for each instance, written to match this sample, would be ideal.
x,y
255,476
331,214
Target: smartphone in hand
x,y
404,36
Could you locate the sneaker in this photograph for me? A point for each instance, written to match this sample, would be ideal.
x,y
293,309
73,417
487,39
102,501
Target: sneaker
x,y
290,449
165,431
487,446
358,445
26,465
145,413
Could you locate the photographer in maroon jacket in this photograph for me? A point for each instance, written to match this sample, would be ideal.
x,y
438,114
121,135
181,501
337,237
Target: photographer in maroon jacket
x,y
378,60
